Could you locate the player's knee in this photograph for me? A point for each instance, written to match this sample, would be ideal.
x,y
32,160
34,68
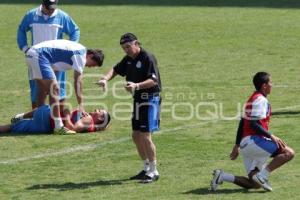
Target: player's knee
x,y
134,138
289,154
54,89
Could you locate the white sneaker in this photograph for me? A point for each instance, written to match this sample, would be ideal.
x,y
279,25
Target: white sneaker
x,y
262,181
215,182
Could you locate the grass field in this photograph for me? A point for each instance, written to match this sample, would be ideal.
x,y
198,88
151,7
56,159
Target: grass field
x,y
207,54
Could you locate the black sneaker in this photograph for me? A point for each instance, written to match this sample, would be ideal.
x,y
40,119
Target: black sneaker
x,y
149,179
14,120
139,176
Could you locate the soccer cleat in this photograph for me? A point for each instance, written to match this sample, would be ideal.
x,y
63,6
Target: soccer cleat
x,y
63,131
215,182
150,177
15,119
139,176
262,181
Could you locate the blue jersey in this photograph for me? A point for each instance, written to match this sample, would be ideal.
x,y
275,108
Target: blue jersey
x,y
60,55
43,27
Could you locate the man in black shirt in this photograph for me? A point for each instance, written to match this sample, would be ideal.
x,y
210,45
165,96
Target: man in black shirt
x,y
139,67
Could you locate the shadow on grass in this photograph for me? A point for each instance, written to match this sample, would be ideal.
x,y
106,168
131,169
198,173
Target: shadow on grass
x,y
204,3
74,186
206,191
279,113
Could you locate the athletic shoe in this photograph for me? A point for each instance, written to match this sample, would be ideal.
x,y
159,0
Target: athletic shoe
x,y
15,119
139,176
215,182
63,131
150,177
262,181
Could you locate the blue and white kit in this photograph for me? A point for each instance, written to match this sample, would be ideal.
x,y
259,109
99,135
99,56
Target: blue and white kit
x,y
43,28
55,55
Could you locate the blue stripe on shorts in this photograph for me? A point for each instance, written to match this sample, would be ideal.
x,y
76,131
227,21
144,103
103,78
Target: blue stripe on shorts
x,y
265,143
153,113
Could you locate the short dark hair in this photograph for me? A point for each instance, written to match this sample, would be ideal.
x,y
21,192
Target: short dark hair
x,y
50,4
98,55
127,37
260,78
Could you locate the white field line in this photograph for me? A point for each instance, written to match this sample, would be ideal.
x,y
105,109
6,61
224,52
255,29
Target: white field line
x,y
90,147
286,108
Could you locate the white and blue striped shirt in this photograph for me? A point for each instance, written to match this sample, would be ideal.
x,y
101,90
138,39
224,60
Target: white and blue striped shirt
x,y
62,54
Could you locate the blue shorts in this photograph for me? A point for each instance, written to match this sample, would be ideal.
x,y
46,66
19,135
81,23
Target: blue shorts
x,y
39,67
61,79
40,123
146,114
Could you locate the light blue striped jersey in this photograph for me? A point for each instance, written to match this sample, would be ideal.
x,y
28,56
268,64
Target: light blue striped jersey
x,y
43,27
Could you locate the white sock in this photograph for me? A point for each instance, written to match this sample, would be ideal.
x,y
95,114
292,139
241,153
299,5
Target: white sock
x,y
146,165
226,177
152,166
265,172
58,123
21,115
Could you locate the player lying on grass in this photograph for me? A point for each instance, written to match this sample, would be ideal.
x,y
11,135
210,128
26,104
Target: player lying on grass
x,y
255,142
40,121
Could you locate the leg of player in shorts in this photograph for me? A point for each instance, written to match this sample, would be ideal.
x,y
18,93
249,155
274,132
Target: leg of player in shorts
x,y
280,157
61,79
40,70
40,123
144,122
254,158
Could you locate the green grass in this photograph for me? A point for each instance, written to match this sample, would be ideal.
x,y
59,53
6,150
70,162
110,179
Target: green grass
x,y
205,54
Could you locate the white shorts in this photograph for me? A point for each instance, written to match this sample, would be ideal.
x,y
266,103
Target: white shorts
x,y
38,66
256,151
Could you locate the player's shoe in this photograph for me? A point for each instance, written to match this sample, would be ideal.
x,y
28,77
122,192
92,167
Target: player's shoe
x,y
215,182
150,177
140,176
262,181
63,131
15,119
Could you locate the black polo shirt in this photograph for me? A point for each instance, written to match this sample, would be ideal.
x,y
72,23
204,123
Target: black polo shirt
x,y
143,67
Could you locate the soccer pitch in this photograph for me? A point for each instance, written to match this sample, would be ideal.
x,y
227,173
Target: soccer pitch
x,y
207,55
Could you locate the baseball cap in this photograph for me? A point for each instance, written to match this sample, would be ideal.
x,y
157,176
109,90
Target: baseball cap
x,y
127,37
50,4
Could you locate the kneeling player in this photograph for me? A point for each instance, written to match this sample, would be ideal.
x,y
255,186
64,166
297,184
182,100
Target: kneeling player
x,y
255,142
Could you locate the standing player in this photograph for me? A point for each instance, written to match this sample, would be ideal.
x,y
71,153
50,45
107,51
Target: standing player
x,y
47,23
256,142
143,79
59,55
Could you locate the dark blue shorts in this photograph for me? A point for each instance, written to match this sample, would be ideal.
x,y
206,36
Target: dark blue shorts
x,y
146,114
